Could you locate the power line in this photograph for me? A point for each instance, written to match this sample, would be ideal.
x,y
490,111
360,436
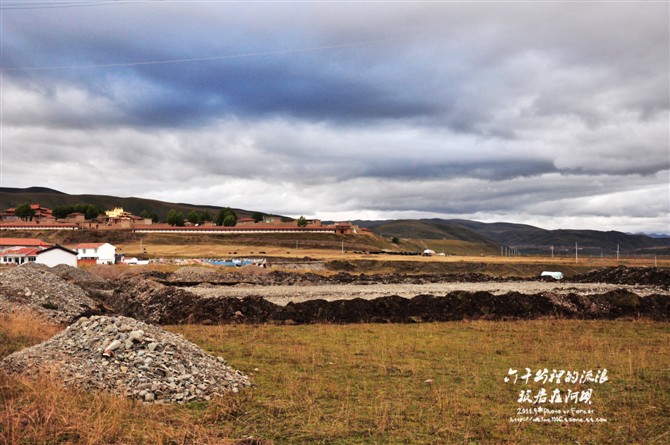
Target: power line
x,y
14,6
200,59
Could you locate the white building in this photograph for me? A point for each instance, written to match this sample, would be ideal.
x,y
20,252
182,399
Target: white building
x,y
18,255
102,253
51,256
56,255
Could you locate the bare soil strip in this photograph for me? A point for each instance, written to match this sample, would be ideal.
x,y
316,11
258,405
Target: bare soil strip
x,y
284,294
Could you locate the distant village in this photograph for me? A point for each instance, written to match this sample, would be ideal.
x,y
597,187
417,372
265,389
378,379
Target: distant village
x,y
17,251
42,218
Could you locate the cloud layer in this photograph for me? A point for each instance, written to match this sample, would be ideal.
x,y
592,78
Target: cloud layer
x,y
550,113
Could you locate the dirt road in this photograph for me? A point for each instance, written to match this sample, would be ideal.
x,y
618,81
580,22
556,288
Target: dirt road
x,y
282,295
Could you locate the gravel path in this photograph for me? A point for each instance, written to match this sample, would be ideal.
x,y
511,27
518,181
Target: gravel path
x,y
281,295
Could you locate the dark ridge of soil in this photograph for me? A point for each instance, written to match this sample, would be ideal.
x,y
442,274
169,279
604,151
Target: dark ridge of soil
x,y
526,270
276,278
155,303
654,276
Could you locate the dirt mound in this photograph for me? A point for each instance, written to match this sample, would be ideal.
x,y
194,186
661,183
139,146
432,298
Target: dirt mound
x,y
653,276
157,303
439,267
153,302
283,278
127,357
156,274
461,305
195,273
81,277
192,276
35,288
278,277
346,278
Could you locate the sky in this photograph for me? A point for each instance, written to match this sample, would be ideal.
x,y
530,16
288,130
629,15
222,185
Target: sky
x,y
555,114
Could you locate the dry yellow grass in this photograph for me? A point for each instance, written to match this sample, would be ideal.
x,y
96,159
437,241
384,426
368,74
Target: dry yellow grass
x,y
21,329
39,410
233,250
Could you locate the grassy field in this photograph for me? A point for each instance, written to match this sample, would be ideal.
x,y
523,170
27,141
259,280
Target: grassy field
x,y
160,250
365,384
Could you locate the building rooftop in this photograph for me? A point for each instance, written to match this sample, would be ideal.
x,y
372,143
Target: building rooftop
x,y
88,245
23,242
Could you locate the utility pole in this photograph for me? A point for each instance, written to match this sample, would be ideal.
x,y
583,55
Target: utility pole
x,y
576,254
552,251
617,252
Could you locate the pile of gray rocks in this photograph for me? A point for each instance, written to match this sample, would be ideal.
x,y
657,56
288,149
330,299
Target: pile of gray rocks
x,y
35,288
81,277
124,356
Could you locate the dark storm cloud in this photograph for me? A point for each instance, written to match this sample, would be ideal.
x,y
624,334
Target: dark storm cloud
x,y
414,62
326,83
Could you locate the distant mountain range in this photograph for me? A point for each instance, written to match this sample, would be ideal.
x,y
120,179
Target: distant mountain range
x,y
528,239
491,236
653,235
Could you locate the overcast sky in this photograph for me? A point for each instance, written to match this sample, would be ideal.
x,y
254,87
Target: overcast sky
x,y
549,113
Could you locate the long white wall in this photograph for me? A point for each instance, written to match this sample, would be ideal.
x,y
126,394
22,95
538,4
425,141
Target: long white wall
x,y
233,231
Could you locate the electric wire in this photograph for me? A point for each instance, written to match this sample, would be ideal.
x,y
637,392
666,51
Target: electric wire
x,y
201,59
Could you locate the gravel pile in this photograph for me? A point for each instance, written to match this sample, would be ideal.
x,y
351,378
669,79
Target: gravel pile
x,y
81,277
124,356
35,288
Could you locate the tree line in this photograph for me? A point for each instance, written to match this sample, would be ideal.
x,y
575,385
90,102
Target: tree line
x,y
90,211
226,217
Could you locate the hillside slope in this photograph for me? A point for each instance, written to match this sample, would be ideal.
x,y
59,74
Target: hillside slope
x,y
11,197
528,238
